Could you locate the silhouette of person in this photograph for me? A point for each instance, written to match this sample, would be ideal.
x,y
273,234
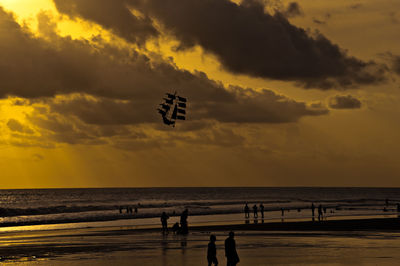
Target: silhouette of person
x,y
231,255
164,223
136,210
255,211
398,209
320,215
212,251
175,228
313,210
120,209
246,211
262,210
184,224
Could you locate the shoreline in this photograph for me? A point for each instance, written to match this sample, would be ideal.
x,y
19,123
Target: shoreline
x,y
142,244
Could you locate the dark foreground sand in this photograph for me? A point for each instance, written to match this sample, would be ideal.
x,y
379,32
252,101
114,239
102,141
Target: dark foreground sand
x,y
374,241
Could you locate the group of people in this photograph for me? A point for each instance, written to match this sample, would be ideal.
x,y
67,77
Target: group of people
x,y
255,210
177,228
129,209
232,257
321,211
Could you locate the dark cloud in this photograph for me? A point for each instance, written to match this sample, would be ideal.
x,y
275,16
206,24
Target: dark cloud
x,y
317,21
356,6
344,102
396,64
394,61
37,157
126,86
394,17
293,10
248,40
113,15
15,125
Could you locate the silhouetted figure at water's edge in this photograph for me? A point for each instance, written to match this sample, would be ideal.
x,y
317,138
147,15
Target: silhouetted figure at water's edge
x,y
262,210
164,222
184,225
175,228
255,211
246,211
320,215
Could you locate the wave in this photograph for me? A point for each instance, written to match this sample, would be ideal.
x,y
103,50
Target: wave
x,y
270,205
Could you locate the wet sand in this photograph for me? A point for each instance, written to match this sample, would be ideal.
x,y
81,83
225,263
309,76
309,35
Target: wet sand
x,y
373,241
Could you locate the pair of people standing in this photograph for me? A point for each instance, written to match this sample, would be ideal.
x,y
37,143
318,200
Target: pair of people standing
x,y
232,258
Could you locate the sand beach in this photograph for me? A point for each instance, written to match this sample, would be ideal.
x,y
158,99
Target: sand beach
x,y
355,241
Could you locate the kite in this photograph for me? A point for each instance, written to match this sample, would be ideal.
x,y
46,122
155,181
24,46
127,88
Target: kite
x,y
172,109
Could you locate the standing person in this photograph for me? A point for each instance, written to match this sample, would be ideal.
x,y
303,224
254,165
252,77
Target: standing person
x,y
231,255
262,210
246,211
320,217
184,224
398,210
212,251
255,211
313,211
164,223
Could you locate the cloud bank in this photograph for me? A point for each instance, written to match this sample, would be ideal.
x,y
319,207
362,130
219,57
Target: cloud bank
x,y
126,86
245,38
344,102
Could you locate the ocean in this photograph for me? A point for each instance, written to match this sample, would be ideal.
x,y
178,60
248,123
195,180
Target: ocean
x,y
91,207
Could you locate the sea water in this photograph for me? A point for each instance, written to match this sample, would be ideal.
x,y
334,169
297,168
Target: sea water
x,y
95,206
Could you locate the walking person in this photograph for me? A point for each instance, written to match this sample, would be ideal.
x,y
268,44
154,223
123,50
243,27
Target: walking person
x,y
246,211
232,258
255,211
164,222
212,251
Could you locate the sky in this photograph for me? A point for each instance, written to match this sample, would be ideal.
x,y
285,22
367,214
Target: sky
x,y
280,93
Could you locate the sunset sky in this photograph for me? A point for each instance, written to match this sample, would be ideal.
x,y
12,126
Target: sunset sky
x,y
280,93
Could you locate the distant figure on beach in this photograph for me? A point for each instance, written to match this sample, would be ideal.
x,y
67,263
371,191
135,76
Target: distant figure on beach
x,y
255,211
184,225
164,222
120,209
212,251
313,210
398,210
246,211
231,255
320,216
136,210
262,210
175,228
